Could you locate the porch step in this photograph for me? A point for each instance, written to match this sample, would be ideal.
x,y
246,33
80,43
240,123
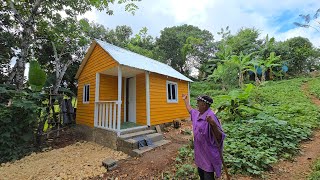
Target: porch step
x,y
129,131
136,134
139,152
132,143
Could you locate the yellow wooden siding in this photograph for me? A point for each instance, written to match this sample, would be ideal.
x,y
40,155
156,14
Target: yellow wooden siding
x,y
97,62
109,90
141,117
160,110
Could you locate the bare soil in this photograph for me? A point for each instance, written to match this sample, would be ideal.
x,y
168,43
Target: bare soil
x,y
152,164
69,160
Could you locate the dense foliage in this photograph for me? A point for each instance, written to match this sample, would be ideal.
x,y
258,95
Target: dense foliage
x,y
259,137
18,121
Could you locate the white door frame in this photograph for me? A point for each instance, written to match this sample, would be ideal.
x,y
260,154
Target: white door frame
x,y
132,100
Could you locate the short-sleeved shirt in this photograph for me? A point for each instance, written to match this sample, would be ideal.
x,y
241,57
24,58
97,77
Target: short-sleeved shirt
x,y
206,152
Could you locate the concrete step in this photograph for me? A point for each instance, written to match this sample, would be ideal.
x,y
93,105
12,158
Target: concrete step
x,y
141,151
133,130
132,143
136,134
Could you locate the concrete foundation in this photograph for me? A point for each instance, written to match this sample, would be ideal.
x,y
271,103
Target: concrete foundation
x,y
100,136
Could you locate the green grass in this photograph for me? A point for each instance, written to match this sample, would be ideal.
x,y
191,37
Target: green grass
x,y
314,87
315,175
286,101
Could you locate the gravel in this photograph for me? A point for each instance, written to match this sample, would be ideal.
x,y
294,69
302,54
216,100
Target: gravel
x,y
76,161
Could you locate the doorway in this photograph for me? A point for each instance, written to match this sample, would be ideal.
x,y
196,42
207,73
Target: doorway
x,y
131,100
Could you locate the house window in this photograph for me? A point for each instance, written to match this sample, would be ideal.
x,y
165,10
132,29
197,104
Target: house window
x,y
172,92
86,93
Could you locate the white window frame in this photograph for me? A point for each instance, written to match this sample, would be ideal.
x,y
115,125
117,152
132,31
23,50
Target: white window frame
x,y
176,85
84,94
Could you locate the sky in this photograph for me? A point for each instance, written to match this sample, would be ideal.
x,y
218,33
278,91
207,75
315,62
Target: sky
x,y
273,17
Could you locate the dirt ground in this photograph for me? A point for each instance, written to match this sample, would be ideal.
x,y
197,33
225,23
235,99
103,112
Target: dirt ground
x,y
153,163
77,161
69,159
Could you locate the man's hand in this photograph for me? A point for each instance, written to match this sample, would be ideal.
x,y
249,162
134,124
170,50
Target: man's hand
x,y
184,96
217,133
186,102
210,120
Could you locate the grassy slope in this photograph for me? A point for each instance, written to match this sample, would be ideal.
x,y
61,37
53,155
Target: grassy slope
x,y
314,87
254,143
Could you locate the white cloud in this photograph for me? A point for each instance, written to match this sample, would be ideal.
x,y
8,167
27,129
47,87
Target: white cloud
x,y
185,11
213,15
90,15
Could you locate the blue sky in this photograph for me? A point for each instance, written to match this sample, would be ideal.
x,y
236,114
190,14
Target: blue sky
x,y
273,17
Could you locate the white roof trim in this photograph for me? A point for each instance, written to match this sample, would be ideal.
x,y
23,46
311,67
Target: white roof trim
x,y
131,59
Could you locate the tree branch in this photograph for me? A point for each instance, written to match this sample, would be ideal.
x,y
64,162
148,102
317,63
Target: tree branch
x,y
34,9
15,12
56,59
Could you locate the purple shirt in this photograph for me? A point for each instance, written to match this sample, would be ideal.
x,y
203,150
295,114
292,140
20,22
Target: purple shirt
x,y
206,153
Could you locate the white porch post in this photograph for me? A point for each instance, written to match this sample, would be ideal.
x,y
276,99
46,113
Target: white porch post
x,y
189,91
119,98
96,99
148,98
125,100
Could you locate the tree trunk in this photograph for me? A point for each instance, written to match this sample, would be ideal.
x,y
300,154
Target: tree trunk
x,y
60,68
240,79
17,73
263,77
256,79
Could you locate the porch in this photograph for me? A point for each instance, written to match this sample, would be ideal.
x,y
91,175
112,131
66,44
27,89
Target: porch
x,y
117,105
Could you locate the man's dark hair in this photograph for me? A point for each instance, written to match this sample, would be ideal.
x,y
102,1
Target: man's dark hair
x,y
207,99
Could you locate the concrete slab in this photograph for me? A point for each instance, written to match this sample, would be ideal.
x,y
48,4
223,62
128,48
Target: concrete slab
x,y
141,151
109,163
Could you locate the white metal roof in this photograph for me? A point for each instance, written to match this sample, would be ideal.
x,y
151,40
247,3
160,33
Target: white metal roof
x,y
131,59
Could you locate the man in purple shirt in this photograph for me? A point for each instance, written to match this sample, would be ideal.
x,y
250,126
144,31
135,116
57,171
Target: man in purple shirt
x,y
206,128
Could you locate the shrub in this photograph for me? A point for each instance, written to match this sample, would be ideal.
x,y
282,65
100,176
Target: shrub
x,y
18,120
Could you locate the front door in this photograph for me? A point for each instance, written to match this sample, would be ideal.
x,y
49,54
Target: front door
x,y
132,99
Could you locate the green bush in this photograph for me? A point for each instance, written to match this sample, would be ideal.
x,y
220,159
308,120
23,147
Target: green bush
x,y
18,120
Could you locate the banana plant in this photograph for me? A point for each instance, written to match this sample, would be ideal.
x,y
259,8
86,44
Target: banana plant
x,y
252,67
242,61
270,63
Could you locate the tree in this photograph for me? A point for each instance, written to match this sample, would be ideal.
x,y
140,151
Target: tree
x,y
300,49
307,19
173,39
241,62
245,41
120,36
144,44
253,67
27,15
226,74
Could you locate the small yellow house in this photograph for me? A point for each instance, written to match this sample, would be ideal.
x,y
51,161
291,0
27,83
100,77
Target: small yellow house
x,y
116,86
